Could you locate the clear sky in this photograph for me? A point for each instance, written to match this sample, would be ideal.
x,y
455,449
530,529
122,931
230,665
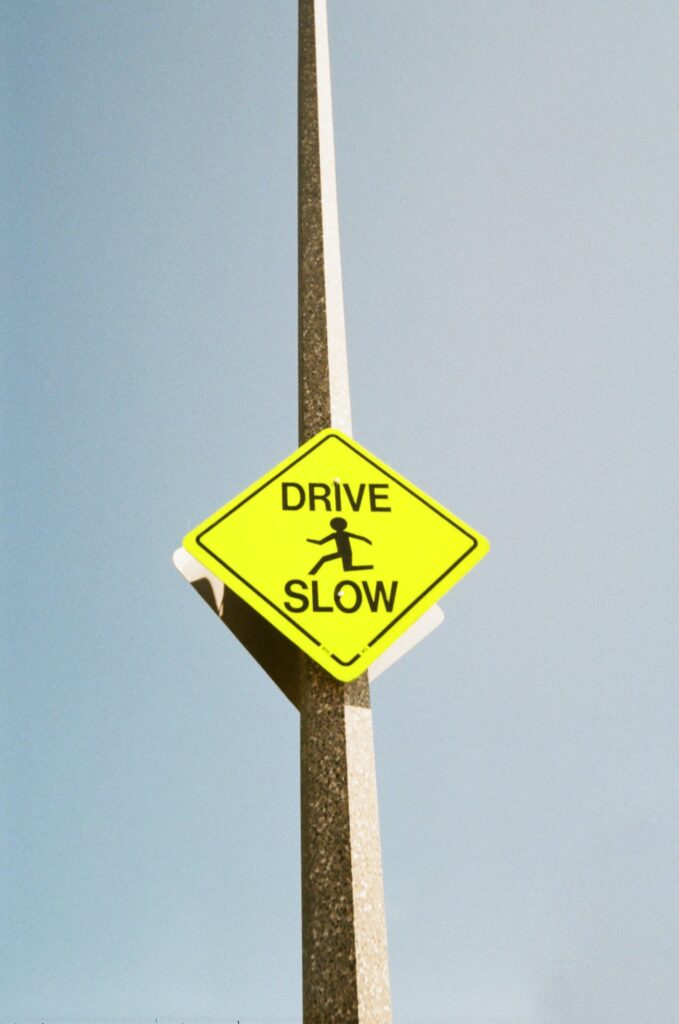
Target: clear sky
x,y
509,211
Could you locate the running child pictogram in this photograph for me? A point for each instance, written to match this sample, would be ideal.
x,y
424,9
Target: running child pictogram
x,y
341,536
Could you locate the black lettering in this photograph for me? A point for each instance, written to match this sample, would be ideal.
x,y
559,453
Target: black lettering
x,y
354,502
380,593
341,592
315,599
302,598
319,492
287,507
338,497
375,497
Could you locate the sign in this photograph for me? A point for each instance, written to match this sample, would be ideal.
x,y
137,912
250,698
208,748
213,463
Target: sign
x,y
338,551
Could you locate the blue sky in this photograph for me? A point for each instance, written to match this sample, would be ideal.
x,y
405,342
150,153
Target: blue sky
x,y
509,217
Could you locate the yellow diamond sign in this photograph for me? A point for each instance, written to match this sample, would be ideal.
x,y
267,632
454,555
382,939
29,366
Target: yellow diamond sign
x,y
338,551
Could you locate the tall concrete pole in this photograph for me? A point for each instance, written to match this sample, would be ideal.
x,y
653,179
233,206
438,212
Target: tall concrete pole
x,y
344,944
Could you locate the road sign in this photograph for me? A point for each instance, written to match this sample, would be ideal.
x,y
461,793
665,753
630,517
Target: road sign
x,y
338,551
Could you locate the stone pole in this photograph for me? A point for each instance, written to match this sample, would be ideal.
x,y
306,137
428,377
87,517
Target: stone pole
x,y
344,944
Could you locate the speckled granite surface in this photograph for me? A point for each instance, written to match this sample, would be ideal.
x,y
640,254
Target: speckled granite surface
x,y
344,955
344,936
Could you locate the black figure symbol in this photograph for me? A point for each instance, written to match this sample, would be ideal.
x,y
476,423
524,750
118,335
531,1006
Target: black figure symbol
x,y
341,537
